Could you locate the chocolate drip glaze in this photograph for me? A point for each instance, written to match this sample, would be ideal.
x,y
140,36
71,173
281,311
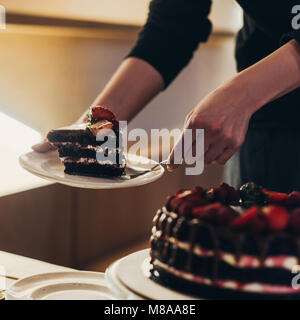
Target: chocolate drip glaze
x,y
298,250
238,244
217,254
192,239
177,227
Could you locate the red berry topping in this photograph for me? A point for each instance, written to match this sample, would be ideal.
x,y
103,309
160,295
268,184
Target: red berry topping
x,y
293,199
184,194
199,211
276,197
225,215
192,195
185,208
221,194
215,213
199,190
168,202
295,221
277,217
99,112
185,200
226,187
245,220
207,211
224,193
174,203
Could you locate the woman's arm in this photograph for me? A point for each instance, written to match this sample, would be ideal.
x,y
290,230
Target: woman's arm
x,y
133,85
225,113
172,33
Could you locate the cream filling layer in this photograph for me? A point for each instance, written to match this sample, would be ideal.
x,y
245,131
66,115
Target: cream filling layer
x,y
245,261
229,284
87,147
90,160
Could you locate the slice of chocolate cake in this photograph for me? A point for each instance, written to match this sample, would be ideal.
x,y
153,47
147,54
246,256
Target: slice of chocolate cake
x,y
93,148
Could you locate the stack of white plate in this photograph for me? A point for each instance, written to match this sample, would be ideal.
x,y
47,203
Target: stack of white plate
x,y
77,285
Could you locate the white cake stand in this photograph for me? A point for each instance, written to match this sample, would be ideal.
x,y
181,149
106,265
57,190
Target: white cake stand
x,y
128,278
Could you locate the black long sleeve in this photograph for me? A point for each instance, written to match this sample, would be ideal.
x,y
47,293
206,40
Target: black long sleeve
x,y
172,33
175,28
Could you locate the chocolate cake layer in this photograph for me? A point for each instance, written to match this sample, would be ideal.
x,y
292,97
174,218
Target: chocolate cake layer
x,y
75,151
93,169
80,136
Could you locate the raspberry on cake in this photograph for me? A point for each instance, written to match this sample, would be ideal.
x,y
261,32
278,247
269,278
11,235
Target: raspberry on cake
x,y
204,244
79,147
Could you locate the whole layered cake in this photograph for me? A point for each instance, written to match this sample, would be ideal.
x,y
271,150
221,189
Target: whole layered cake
x,y
229,244
84,148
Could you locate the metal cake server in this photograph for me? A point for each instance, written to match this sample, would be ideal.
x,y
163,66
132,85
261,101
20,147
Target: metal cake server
x,y
133,172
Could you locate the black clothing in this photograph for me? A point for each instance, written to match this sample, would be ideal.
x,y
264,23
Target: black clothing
x,y
269,157
175,28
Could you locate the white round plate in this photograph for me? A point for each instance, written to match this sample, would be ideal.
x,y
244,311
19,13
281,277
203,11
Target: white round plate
x,y
48,166
70,291
131,275
73,285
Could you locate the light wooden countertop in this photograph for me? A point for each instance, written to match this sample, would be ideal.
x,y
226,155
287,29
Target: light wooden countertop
x,y
14,267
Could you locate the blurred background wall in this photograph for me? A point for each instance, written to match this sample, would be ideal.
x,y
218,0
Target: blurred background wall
x,y
226,15
50,74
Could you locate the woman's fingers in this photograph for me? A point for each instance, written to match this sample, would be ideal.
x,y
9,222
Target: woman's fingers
x,y
214,151
43,147
225,156
185,148
221,152
232,147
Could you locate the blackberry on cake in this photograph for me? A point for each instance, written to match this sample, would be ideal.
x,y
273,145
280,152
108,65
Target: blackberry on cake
x,y
81,146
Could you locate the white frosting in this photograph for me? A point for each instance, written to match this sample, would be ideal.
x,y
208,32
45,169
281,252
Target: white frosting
x,y
87,147
85,160
89,160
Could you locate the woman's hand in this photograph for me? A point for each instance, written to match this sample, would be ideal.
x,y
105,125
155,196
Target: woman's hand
x,y
225,113
43,147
